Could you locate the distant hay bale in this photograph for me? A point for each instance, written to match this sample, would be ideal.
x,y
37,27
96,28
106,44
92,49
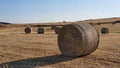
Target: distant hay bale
x,y
64,21
53,27
91,23
113,23
28,30
78,39
99,23
41,30
57,30
104,30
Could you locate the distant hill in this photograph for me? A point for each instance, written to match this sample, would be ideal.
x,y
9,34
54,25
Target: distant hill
x,y
4,23
103,20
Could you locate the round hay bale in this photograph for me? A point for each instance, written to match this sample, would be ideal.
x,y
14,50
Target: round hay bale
x,y
104,30
91,23
64,21
53,27
78,39
41,30
113,23
57,30
28,30
99,23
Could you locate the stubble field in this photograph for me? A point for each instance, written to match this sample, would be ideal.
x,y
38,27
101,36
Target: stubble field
x,y
20,50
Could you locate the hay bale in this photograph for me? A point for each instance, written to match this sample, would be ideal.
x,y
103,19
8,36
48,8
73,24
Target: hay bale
x,y
41,30
113,23
53,27
91,23
98,23
28,30
64,21
78,39
57,30
104,30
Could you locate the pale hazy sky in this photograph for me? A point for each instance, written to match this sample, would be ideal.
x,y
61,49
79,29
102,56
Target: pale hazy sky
x,y
35,11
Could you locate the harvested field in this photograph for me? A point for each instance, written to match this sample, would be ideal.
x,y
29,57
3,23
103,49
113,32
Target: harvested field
x,y
20,50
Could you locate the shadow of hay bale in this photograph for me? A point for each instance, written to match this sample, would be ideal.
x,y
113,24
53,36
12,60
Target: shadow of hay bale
x,y
33,62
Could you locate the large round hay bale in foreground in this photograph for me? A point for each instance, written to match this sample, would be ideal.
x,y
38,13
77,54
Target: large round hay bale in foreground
x,y
41,30
78,39
104,30
28,30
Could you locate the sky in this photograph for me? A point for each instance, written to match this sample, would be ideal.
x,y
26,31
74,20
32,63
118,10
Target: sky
x,y
43,11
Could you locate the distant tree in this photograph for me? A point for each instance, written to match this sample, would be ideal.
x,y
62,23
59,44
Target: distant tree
x,y
4,23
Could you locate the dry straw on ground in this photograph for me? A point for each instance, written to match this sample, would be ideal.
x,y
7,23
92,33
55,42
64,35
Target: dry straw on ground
x,y
78,39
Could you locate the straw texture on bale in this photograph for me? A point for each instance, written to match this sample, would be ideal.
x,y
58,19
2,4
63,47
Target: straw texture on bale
x,y
41,30
78,39
104,30
28,30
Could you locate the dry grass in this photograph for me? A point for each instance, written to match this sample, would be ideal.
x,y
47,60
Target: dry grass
x,y
112,28
20,50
